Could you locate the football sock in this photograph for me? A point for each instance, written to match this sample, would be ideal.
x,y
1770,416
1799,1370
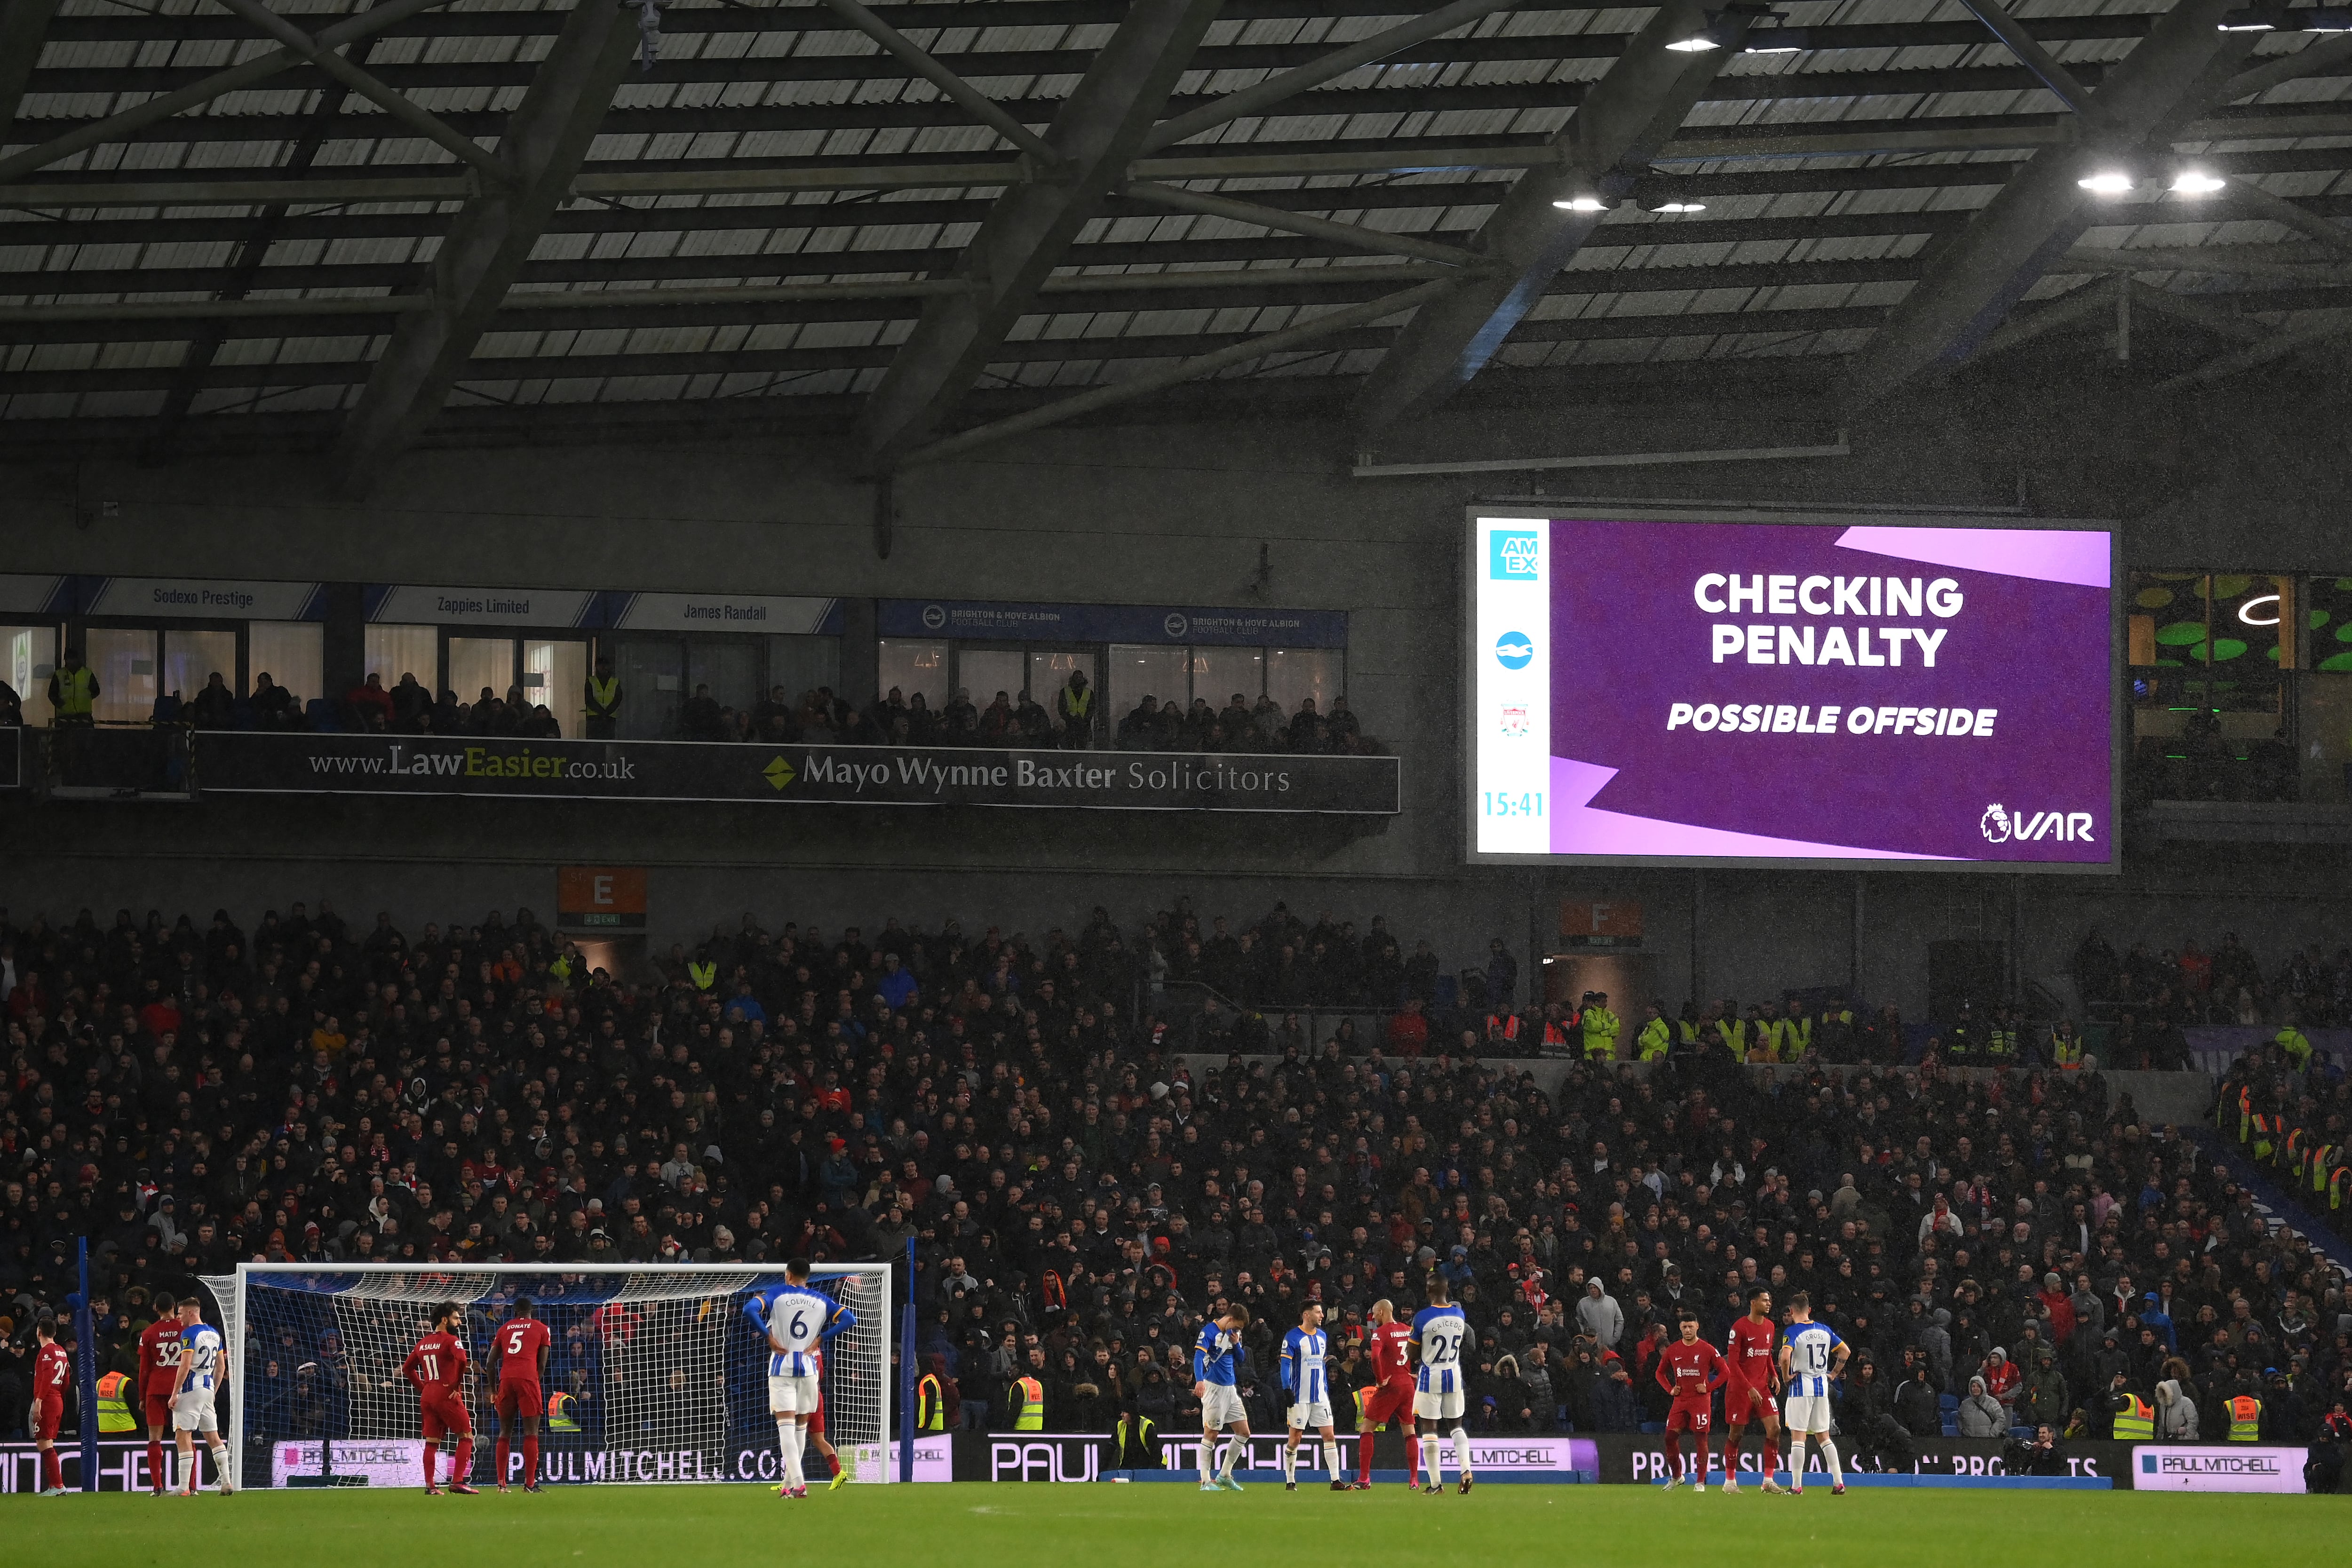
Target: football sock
x,y
1829,1452
1332,1458
504,1457
51,1474
1462,1449
1699,1474
531,1459
1233,1447
155,1463
1208,1457
832,1464
432,1453
1412,1458
1673,1455
1433,1458
461,1468
783,1447
795,1452
1290,1461
1364,1456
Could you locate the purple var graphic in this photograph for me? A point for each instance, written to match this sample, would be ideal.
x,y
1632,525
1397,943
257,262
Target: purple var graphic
x,y
1803,692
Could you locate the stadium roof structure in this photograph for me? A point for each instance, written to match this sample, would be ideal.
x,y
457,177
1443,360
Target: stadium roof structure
x,y
363,225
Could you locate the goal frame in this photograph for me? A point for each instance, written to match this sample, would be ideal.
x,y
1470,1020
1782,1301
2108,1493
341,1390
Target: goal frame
x,y
230,1293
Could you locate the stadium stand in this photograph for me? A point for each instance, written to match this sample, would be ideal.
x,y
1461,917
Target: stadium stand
x,y
1080,1189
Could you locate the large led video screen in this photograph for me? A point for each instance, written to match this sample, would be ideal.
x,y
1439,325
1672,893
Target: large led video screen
x,y
1791,692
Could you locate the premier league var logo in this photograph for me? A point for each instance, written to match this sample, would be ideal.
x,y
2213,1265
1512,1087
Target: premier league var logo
x,y
1996,825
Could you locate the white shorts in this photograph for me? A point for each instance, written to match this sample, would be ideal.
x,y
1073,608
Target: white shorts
x,y
1806,1413
1222,1408
1431,1405
1310,1417
792,1396
192,1411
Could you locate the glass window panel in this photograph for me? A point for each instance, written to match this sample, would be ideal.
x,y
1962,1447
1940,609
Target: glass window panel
x,y
1219,672
985,671
913,665
800,664
2324,726
1294,675
652,673
476,664
2326,615
1135,671
28,657
393,651
124,663
293,654
729,666
1050,670
555,677
190,659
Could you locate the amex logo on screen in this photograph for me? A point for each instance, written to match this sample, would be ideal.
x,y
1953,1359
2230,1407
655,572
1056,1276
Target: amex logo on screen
x,y
1512,555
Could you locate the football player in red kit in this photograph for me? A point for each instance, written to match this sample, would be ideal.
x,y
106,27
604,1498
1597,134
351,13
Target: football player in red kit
x,y
437,1367
52,1374
521,1348
159,1375
1389,1396
1690,1370
1751,1350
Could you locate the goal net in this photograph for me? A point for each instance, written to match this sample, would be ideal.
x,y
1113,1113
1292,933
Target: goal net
x,y
654,1373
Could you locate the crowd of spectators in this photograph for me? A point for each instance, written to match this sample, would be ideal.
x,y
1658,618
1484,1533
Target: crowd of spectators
x,y
2219,984
188,1095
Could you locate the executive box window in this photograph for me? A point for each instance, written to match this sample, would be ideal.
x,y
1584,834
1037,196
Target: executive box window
x,y
392,651
2238,684
660,671
138,667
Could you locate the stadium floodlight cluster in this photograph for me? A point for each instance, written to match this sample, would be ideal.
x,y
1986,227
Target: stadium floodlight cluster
x,y
655,1373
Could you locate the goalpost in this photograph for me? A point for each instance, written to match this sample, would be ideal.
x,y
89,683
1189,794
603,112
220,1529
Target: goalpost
x,y
654,1373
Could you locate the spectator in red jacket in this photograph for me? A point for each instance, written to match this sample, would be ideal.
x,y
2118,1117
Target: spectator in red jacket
x,y
1409,1030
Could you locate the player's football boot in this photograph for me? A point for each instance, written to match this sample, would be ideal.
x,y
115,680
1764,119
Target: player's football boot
x,y
1430,1489
1731,1483
1698,1486
1340,1485
840,1480
1464,1488
530,1486
1210,1486
1838,1491
1671,1482
1772,1487
1291,1486
462,1488
1230,1483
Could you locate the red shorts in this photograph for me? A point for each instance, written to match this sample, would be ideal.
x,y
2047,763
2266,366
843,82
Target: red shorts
x,y
1689,1416
445,1415
47,1414
1747,1402
517,1399
815,1423
159,1406
1389,1402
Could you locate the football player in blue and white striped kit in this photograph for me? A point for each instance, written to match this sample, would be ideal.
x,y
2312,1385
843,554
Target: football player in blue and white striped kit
x,y
1440,1334
1216,1355
1811,1358
1309,1387
795,1319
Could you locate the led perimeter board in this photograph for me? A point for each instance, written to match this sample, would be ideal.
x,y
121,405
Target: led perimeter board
x,y
1754,690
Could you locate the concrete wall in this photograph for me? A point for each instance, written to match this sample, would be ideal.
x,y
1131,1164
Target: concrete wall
x,y
1172,509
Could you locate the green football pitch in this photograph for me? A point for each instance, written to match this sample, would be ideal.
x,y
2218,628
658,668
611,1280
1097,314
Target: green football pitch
x,y
982,1526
